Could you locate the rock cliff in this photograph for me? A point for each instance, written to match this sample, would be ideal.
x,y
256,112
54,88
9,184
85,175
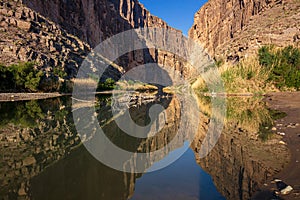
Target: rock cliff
x,y
239,27
96,20
28,36
61,33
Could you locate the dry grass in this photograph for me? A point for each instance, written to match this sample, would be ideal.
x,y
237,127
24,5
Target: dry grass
x,y
137,86
84,81
248,76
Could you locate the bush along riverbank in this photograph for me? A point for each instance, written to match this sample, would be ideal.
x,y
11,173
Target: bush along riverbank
x,y
26,78
25,81
272,69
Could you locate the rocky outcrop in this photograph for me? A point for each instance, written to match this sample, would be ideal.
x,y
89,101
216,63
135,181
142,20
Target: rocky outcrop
x,y
96,20
237,27
28,36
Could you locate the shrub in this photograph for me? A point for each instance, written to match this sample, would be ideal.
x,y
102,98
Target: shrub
x,y
246,76
49,84
20,77
284,64
109,84
59,72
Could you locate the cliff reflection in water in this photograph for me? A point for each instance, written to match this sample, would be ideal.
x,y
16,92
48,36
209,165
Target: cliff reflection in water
x,y
42,156
247,153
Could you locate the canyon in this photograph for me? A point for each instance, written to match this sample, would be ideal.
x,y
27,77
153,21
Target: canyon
x,y
60,34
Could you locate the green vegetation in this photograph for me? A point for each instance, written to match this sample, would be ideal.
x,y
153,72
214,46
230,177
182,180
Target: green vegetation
x,y
272,69
29,114
283,64
25,77
23,114
59,72
21,77
249,115
109,84
246,76
265,129
252,115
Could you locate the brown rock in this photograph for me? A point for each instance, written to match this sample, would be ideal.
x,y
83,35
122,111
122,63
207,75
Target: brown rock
x,y
23,25
227,27
29,161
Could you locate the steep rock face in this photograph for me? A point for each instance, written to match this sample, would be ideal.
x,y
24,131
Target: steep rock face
x,y
228,28
28,36
96,20
61,33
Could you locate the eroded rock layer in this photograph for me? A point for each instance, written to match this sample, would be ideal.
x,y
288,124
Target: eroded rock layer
x,y
239,27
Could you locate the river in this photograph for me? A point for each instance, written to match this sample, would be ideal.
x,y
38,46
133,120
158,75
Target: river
x,y
42,156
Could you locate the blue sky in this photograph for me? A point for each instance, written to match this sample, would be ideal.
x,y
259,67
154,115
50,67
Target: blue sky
x,y
177,13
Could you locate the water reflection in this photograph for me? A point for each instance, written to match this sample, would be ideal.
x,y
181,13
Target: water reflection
x,y
33,136
42,156
247,153
184,179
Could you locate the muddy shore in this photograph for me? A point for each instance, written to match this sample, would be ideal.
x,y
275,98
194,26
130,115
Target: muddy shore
x,y
288,102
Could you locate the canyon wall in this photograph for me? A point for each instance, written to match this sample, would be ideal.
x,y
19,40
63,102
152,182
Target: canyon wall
x,y
236,27
60,34
96,20
28,36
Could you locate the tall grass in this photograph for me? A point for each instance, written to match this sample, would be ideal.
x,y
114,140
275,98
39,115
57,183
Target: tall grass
x,y
248,76
272,69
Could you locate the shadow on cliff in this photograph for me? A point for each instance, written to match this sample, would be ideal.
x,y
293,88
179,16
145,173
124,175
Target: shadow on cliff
x,y
97,20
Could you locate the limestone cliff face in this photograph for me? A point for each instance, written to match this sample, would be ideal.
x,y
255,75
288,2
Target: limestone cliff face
x,y
96,20
230,28
28,36
61,33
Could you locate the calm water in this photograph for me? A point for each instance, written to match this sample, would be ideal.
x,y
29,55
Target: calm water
x,y
42,156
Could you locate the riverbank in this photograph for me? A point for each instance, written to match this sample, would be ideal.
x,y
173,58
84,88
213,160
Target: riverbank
x,y
27,96
288,102
5,97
